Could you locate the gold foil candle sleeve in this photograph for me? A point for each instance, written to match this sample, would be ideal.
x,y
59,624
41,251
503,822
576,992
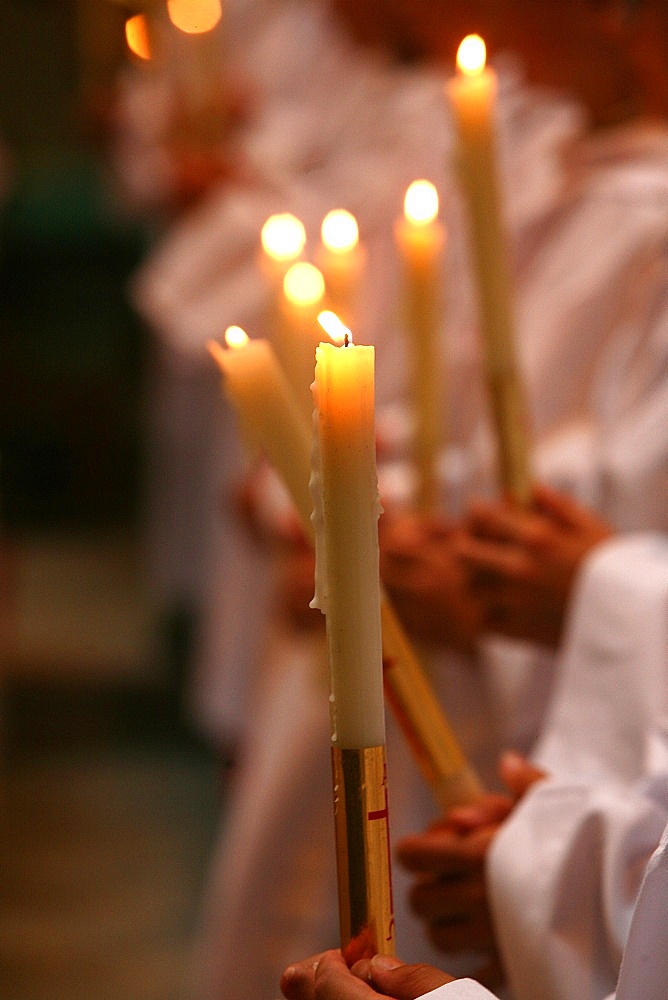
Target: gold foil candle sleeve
x,y
363,857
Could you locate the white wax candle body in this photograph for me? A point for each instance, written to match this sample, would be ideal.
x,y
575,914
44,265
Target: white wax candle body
x,y
269,415
347,510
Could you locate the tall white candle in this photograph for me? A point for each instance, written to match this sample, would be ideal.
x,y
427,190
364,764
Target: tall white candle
x,y
420,238
341,258
267,410
347,508
472,95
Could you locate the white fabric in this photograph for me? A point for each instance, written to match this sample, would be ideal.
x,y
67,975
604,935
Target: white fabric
x,y
612,678
565,870
644,971
461,989
644,967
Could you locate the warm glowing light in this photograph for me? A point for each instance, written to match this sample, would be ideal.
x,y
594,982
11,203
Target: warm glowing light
x,y
421,203
472,55
194,17
136,35
304,284
235,337
283,236
333,326
339,231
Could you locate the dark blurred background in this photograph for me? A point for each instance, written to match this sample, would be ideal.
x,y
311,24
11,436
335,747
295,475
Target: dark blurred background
x,y
108,800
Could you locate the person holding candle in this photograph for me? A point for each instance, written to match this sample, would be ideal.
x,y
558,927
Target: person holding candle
x,y
565,868
620,468
589,328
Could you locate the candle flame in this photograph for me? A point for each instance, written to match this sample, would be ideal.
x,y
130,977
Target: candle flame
x,y
339,231
332,325
235,337
421,203
137,37
303,284
472,55
283,236
194,17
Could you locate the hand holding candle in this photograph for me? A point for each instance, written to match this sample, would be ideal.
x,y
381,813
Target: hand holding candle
x,y
420,238
472,95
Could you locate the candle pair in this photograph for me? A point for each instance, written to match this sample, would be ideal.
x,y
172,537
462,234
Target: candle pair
x,y
300,290
347,510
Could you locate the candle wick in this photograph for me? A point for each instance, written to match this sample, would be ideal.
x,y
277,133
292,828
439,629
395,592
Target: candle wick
x,y
346,340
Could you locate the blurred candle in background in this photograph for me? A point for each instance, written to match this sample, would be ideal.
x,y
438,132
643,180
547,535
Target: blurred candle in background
x,y
283,239
341,258
270,418
420,238
197,64
298,333
472,95
138,37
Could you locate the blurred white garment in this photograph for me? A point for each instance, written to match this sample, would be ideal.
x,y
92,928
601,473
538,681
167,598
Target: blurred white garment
x,y
566,868
644,967
461,989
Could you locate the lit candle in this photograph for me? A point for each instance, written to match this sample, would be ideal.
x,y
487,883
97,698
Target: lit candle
x,y
283,238
346,519
138,37
197,62
472,94
297,333
341,259
346,510
266,407
420,238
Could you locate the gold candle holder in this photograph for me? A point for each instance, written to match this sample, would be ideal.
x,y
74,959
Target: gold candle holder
x,y
421,718
363,864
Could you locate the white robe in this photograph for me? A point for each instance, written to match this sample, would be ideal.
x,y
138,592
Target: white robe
x,y
644,968
565,870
